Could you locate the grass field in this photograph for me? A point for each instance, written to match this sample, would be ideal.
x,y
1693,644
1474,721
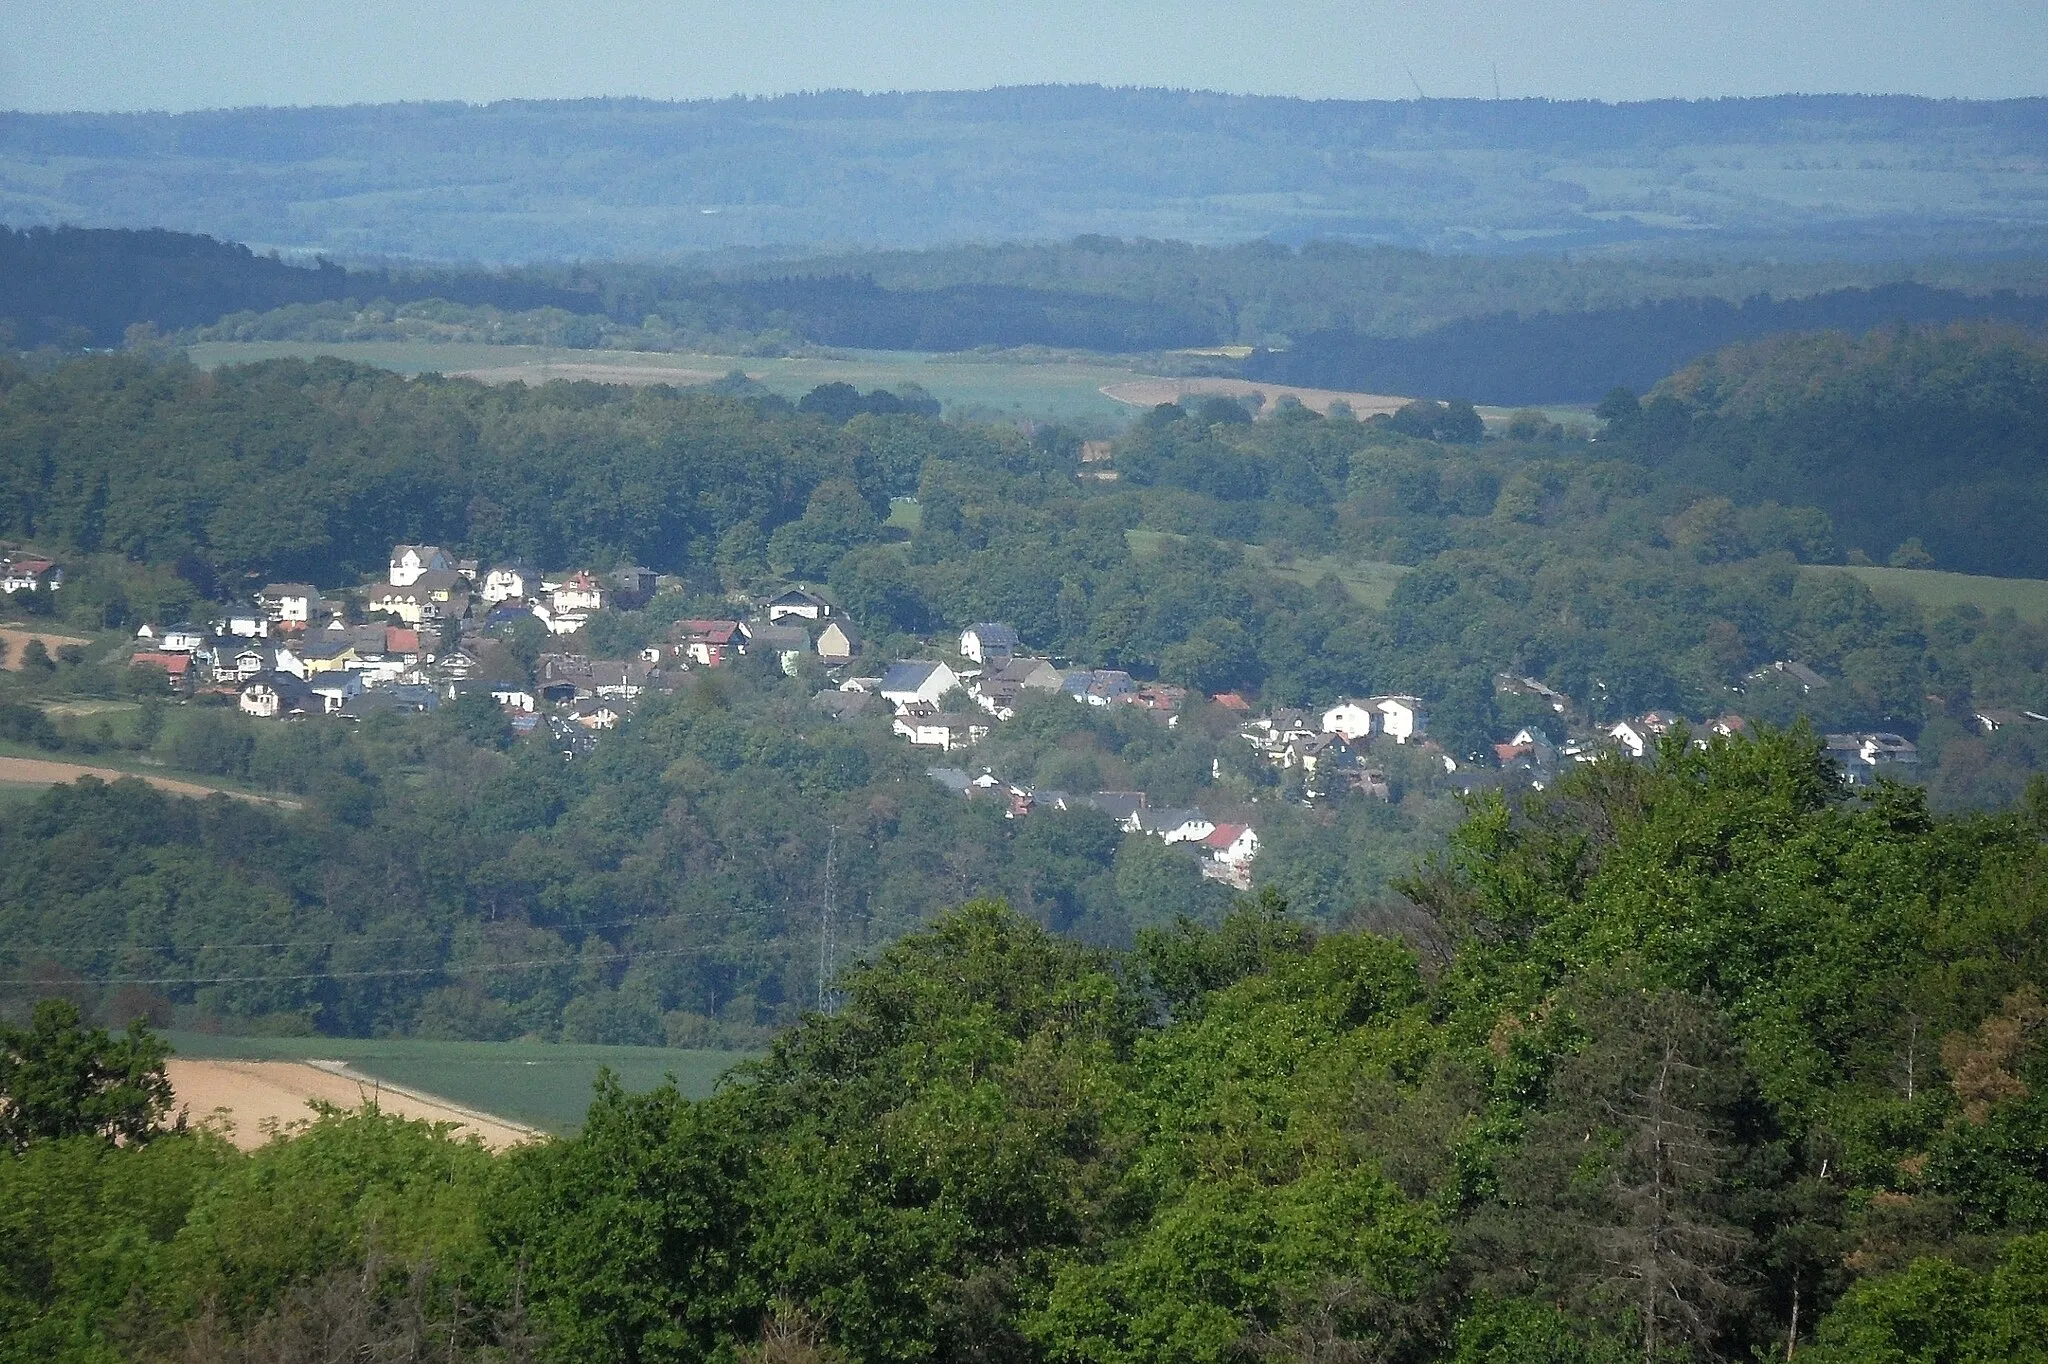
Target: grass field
x,y
1062,391
1370,583
1937,591
543,1086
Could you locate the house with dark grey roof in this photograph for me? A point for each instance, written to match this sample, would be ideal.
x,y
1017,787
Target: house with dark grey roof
x,y
991,643
910,681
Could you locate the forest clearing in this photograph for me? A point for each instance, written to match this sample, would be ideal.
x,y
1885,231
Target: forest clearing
x,y
17,640
259,1099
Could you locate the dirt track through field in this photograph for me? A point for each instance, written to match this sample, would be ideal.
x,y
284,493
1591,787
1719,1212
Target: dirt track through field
x,y
1150,393
254,1100
42,772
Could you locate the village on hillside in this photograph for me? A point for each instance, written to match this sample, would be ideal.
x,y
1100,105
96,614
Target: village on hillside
x,y
437,628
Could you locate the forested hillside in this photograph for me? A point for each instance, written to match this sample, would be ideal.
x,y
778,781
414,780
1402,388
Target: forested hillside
x,y
1693,1060
1528,330
1578,357
1933,435
1805,176
447,877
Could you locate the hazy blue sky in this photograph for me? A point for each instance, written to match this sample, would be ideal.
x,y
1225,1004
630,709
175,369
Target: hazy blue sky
x,y
185,54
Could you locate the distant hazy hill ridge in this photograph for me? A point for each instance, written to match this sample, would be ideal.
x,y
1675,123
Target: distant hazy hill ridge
x,y
72,286
595,178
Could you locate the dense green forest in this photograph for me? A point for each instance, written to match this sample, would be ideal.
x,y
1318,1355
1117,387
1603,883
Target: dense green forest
x,y
1577,357
1935,435
70,287
446,878
1812,177
1695,1059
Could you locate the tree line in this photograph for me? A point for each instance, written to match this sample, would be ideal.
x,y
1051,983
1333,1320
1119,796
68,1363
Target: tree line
x,y
1577,357
1689,1060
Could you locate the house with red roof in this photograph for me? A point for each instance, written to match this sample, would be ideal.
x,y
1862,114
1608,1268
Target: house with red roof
x,y
710,642
1234,845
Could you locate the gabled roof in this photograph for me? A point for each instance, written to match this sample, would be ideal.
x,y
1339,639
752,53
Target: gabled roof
x,y
1121,805
1223,835
286,686
907,675
708,631
1165,821
994,632
779,636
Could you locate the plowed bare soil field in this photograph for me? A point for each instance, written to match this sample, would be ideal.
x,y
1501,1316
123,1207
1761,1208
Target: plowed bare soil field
x,y
254,1101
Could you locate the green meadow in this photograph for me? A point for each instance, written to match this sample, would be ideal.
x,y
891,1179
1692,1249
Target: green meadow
x,y
1936,590
965,384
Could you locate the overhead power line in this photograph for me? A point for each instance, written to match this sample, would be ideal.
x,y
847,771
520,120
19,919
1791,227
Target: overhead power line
x,y
482,968
408,937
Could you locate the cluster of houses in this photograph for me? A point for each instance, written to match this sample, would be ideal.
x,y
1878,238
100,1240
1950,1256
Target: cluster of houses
x,y
937,705
293,653
1329,747
1223,852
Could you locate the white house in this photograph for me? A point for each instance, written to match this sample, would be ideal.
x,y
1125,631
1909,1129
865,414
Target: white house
x,y
290,603
509,582
1402,717
798,602
243,663
245,625
334,688
1635,737
512,696
1175,826
990,642
583,591
1352,719
943,732
271,696
181,639
908,682
1234,845
409,561
29,575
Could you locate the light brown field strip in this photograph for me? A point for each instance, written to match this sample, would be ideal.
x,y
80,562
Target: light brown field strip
x,y
253,1101
1152,392
43,772
17,640
595,373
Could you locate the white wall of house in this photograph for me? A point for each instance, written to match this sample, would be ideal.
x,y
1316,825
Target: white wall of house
x,y
505,584
937,683
1241,851
1401,718
407,563
1352,719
